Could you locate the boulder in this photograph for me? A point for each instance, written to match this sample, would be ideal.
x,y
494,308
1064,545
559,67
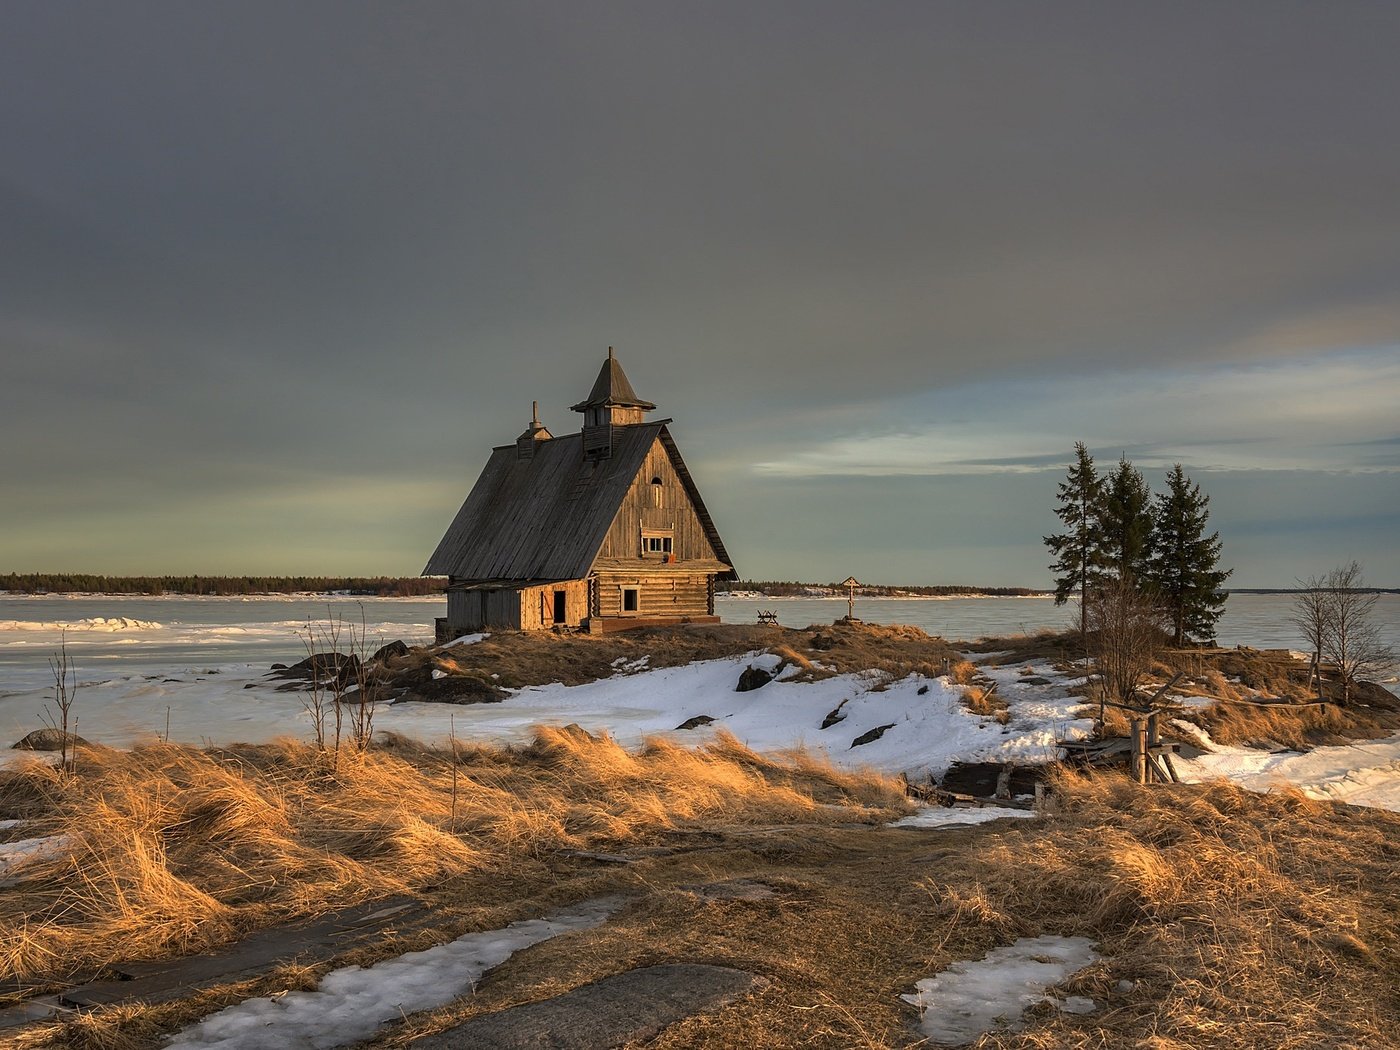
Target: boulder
x,y
47,739
694,723
834,715
384,652
753,678
872,735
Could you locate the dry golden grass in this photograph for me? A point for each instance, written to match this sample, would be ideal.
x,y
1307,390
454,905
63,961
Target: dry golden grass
x,y
962,672
172,849
1236,920
986,702
1297,728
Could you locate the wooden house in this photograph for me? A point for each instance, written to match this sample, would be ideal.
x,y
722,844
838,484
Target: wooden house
x,y
600,530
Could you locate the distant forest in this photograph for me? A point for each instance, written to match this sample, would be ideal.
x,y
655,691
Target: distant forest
x,y
85,583
791,589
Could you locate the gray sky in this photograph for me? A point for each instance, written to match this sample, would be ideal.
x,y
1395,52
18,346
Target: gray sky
x,y
274,277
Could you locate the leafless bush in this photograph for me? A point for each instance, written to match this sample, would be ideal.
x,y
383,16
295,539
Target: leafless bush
x,y
1312,614
60,717
1351,638
340,685
1126,632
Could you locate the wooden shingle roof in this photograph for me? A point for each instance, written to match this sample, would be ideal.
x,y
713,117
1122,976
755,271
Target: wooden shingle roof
x,y
612,387
545,517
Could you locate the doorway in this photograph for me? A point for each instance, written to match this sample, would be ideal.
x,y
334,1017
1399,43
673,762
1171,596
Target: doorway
x,y
561,606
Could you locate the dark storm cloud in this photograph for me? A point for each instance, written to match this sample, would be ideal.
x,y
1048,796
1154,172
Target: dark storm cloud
x,y
272,261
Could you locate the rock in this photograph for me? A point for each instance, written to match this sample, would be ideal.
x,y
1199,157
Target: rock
x,y
626,1008
1035,679
577,731
47,739
694,723
384,652
871,736
821,642
753,678
325,665
923,689
834,715
453,689
278,667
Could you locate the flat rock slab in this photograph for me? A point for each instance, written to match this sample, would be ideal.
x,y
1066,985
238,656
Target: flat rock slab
x,y
627,1007
167,979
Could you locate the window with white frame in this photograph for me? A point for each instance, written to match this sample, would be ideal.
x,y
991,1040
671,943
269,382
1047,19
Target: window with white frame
x,y
631,599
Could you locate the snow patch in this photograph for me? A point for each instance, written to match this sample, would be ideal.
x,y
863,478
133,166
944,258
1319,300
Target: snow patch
x,y
1360,774
352,1003
973,997
947,817
15,855
468,639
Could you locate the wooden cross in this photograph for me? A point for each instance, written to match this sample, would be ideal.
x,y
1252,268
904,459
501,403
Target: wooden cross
x,y
852,583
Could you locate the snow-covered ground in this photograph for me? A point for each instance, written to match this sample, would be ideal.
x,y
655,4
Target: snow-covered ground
x,y
1366,773
926,727
927,731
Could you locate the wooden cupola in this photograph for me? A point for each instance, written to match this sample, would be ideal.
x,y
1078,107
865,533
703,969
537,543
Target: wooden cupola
x,y
535,432
611,403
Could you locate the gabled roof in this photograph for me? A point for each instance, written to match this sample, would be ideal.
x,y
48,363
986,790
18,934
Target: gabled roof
x,y
612,388
546,517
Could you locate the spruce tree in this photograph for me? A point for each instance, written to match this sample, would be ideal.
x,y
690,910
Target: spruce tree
x,y
1183,570
1079,556
1127,523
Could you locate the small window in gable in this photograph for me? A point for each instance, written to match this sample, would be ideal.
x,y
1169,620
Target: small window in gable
x,y
656,490
656,542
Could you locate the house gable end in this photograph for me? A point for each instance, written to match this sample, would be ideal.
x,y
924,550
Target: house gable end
x,y
662,501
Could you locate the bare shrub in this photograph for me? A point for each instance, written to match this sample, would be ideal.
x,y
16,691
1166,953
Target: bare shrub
x,y
1312,614
60,717
1127,631
1351,638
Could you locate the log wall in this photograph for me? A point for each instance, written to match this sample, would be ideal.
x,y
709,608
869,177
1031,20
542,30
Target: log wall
x,y
661,594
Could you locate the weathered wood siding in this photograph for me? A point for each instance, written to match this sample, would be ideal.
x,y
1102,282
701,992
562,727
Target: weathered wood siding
x,y
639,510
660,594
472,610
537,605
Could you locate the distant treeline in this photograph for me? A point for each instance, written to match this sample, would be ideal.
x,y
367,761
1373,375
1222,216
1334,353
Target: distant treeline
x,y
791,589
85,583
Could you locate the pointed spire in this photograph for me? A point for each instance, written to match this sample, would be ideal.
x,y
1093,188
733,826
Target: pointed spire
x,y
612,390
